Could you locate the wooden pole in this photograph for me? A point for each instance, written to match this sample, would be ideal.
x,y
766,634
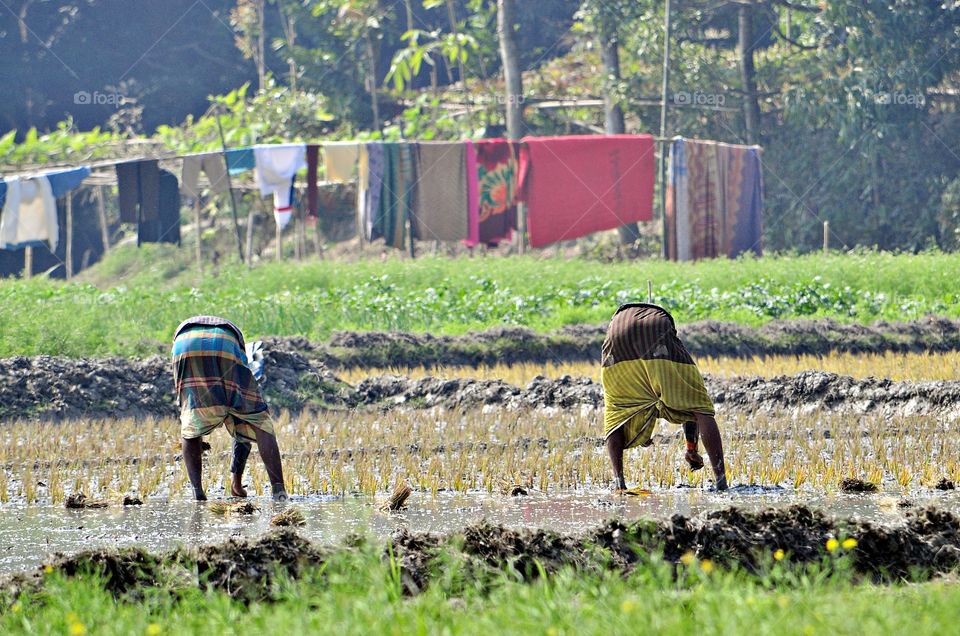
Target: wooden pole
x,y
68,254
196,223
662,162
826,237
233,198
102,214
279,241
28,262
250,214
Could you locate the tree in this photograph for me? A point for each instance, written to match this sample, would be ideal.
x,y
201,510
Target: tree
x,y
506,24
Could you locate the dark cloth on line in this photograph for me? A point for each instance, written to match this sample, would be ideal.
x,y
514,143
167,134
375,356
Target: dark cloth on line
x,y
63,182
138,189
3,193
313,159
440,211
165,228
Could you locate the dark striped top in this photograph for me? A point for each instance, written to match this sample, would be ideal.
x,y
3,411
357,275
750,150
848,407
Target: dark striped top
x,y
640,331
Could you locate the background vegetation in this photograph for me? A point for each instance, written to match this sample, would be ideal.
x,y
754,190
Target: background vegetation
x,y
854,102
144,294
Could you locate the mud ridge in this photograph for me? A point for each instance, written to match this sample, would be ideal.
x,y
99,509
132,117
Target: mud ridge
x,y
49,388
925,544
581,343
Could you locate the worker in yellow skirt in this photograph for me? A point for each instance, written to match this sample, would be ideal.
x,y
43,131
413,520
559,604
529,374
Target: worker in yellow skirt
x,y
648,374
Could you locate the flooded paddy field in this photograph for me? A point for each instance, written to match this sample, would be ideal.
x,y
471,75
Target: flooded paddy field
x,y
463,466
30,535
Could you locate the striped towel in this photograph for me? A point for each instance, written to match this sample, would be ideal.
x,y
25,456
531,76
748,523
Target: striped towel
x,y
215,386
647,374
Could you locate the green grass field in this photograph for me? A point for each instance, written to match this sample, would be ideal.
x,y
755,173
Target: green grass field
x,y
134,300
360,594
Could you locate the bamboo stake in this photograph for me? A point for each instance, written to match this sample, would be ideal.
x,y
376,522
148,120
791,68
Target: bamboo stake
x,y
279,241
28,262
250,235
68,256
826,237
196,222
102,215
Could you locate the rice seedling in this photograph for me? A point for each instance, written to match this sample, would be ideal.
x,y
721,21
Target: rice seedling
x,y
367,452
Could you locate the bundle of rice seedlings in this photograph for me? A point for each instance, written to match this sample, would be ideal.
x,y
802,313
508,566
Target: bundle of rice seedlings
x,y
291,517
233,507
79,500
398,498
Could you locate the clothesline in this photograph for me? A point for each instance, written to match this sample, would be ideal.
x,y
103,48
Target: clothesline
x,y
469,191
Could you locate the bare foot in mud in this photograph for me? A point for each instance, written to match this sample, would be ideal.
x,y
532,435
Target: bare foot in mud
x,y
237,489
694,459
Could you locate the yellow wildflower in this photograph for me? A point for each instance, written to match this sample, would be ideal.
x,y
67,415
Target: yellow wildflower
x,y
48,569
552,631
783,601
849,544
808,630
832,545
779,554
16,607
628,606
153,629
707,566
77,629
687,558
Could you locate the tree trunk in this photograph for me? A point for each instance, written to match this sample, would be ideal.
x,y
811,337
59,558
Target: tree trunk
x,y
261,44
745,48
372,78
613,124
509,56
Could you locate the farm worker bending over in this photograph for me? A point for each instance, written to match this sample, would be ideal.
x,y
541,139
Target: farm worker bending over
x,y
647,374
215,386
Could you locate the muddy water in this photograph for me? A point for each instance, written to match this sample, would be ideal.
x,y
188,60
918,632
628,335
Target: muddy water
x,y
28,535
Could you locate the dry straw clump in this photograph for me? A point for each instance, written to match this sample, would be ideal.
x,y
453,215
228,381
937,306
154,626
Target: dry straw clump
x,y
895,366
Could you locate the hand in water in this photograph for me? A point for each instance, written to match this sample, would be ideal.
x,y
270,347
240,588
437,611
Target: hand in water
x,y
694,459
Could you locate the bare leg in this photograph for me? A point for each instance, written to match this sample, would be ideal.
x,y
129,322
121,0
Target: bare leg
x,y
710,433
615,443
693,452
270,454
193,461
241,451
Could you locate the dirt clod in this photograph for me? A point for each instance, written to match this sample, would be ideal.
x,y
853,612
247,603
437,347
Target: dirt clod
x,y
130,500
854,485
945,484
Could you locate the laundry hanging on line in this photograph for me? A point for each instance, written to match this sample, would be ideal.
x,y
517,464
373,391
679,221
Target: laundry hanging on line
x,y
313,195
340,160
497,173
578,185
165,228
28,207
440,212
714,204
276,167
212,164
